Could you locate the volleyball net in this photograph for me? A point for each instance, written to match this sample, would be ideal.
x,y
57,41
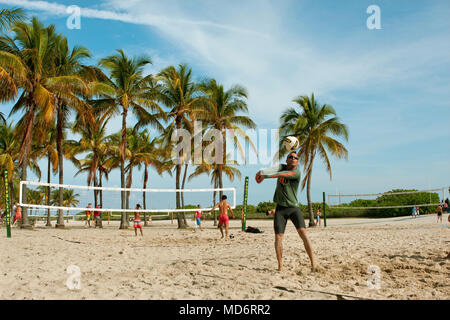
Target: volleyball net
x,y
395,199
42,197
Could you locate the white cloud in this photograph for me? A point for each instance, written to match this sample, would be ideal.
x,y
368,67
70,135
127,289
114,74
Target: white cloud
x,y
273,67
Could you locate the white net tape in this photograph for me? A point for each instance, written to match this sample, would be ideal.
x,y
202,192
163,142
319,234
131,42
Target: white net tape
x,y
115,194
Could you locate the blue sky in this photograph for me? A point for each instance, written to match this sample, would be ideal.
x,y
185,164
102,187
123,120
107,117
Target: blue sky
x,y
391,87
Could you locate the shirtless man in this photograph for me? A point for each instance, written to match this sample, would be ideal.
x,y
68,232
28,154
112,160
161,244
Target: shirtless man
x,y
137,220
223,206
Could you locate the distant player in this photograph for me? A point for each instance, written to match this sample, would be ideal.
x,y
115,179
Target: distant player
x,y
18,215
137,220
198,217
98,217
224,206
88,215
439,213
318,215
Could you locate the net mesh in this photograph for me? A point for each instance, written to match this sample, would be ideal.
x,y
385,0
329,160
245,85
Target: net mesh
x,y
41,197
387,200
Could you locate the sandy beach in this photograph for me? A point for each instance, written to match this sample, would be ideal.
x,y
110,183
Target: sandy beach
x,y
167,263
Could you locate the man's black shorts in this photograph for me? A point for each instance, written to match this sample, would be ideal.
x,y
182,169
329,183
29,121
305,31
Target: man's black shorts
x,y
282,214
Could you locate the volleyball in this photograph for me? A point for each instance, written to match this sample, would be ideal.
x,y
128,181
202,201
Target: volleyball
x,y
290,143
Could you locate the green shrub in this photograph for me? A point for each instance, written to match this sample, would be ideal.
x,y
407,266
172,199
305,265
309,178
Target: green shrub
x,y
265,206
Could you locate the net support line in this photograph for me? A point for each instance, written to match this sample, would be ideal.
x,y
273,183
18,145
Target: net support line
x,y
387,207
89,188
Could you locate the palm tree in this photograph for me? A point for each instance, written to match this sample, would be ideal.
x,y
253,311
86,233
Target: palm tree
x,y
103,170
34,196
144,151
9,153
70,198
180,94
9,148
68,66
94,141
10,16
222,111
132,92
314,125
45,137
27,62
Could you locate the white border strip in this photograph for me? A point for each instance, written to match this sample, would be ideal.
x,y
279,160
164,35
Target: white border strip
x,y
382,194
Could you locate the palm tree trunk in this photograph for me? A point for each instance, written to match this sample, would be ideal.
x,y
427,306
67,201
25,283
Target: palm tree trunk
x,y
25,223
49,222
182,194
214,202
180,219
180,215
101,191
95,192
143,193
123,220
23,159
308,195
220,181
221,164
129,182
310,210
183,183
59,149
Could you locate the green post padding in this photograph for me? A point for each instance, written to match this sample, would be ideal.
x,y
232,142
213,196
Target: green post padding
x,y
7,208
244,219
324,213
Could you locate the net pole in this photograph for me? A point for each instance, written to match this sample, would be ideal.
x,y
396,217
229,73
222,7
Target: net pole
x,y
244,218
7,208
324,213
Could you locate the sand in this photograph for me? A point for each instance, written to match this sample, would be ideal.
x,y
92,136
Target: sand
x,y
167,263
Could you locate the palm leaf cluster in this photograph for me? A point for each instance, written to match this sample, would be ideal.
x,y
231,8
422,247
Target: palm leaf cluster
x,y
57,95
316,126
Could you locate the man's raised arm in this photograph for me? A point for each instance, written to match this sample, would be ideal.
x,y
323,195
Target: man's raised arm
x,y
214,208
275,172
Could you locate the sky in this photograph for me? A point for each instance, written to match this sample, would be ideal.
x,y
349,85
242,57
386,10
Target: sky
x,y
390,86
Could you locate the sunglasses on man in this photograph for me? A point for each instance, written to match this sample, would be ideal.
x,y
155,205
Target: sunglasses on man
x,y
293,157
